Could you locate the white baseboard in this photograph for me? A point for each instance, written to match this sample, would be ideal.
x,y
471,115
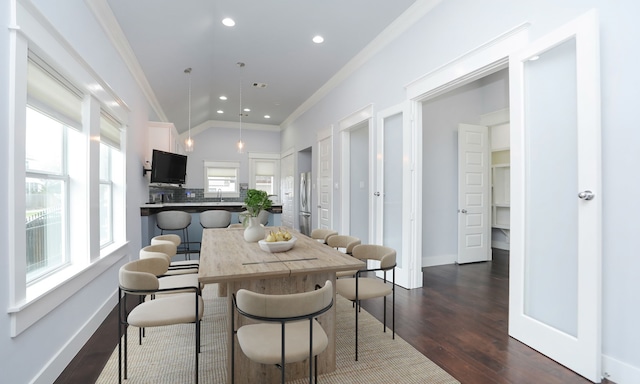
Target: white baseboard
x,y
619,372
433,261
59,362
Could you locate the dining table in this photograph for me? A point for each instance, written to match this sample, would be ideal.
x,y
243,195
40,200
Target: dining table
x,y
231,262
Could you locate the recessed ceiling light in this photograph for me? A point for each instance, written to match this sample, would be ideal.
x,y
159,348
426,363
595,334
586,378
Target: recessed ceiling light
x,y
223,97
318,39
247,110
267,116
220,111
228,22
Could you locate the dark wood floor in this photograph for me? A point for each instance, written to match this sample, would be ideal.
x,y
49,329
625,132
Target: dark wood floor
x,y
458,320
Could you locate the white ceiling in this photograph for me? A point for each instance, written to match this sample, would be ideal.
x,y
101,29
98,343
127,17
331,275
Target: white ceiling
x,y
273,39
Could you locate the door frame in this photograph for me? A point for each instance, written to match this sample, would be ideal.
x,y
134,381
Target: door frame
x,y
345,126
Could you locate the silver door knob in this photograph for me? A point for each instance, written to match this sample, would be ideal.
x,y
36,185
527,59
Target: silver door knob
x,y
464,211
586,195
376,193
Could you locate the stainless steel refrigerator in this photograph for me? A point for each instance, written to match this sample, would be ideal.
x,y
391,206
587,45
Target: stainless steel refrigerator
x,y
305,203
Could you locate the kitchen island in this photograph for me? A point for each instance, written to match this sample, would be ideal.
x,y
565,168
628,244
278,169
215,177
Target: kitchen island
x,y
148,213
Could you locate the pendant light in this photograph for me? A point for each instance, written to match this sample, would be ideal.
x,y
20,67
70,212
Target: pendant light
x,y
240,144
188,144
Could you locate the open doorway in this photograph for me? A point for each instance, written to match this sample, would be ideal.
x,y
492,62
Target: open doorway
x,y
471,104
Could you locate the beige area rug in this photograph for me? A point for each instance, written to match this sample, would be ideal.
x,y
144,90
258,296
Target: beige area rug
x,y
167,353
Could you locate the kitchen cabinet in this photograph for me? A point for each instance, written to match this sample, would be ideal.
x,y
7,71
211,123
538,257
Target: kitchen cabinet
x,y
163,136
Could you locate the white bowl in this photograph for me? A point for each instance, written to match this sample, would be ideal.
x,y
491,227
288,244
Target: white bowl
x,y
277,246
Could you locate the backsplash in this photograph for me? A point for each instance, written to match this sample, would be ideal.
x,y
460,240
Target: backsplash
x,y
186,195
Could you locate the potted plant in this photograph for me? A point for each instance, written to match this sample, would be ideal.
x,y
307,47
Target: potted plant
x,y
255,202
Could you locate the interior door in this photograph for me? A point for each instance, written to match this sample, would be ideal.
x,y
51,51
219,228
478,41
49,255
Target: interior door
x,y
392,195
474,192
324,181
555,281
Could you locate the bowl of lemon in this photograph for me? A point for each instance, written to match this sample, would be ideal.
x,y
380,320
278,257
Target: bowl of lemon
x,y
280,241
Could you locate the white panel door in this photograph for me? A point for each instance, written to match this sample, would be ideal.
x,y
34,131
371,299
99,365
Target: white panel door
x,y
555,265
324,182
474,192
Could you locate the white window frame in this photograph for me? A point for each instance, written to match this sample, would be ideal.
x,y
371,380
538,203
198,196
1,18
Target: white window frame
x,y
255,157
28,304
234,165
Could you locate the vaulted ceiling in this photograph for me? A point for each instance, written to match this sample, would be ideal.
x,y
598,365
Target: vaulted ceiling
x,y
273,38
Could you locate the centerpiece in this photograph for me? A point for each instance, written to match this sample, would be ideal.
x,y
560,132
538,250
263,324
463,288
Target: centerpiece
x,y
256,201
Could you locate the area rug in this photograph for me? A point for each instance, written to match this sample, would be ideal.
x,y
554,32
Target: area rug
x,y
167,355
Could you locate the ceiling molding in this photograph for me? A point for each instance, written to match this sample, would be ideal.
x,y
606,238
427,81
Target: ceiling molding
x,y
218,124
414,13
103,13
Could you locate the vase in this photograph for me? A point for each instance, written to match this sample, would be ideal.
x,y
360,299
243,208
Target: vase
x,y
254,231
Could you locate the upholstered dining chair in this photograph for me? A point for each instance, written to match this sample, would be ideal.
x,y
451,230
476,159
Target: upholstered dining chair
x,y
137,278
363,287
215,219
287,330
160,268
178,221
322,234
345,244
167,249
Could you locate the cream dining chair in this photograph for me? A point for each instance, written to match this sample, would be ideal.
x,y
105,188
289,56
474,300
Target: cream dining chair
x,y
168,249
137,278
363,287
322,234
344,244
287,330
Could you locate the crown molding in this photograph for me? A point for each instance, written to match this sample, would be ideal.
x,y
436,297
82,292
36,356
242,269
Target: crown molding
x,y
103,13
405,21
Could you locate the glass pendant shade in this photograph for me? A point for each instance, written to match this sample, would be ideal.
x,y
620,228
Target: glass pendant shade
x,y
188,143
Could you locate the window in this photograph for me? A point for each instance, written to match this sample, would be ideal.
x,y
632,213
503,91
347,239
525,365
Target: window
x,y
264,172
221,179
109,158
53,116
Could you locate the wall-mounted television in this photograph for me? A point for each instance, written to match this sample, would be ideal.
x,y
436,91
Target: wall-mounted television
x,y
168,168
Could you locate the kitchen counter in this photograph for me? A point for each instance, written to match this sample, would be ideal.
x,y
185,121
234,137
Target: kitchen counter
x,y
148,213
197,207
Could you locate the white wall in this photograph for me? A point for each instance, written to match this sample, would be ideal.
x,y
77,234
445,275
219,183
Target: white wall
x,y
219,144
455,27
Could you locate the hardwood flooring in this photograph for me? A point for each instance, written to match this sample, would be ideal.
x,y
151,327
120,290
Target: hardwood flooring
x,y
458,320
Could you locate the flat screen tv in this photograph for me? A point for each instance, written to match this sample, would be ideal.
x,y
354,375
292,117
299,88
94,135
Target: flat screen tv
x,y
168,168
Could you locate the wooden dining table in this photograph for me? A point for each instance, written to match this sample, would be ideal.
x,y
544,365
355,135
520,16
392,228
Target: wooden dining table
x,y
233,263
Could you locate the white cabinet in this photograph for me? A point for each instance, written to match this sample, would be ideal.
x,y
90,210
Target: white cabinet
x,y
163,136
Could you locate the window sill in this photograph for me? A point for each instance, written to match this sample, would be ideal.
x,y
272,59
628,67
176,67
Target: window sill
x,y
45,296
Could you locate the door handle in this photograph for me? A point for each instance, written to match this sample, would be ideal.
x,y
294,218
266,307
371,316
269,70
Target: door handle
x,y
463,211
376,194
586,195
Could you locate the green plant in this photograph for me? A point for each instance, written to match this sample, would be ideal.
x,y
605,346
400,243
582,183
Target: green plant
x,y
256,201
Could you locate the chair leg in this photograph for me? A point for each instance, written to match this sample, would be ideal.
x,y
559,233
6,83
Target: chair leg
x,y
197,324
357,310
384,314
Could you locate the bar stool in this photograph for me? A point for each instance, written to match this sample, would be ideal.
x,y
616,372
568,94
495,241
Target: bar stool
x,y
177,221
215,219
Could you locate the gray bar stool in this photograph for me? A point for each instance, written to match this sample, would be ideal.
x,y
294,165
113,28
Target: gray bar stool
x,y
177,221
215,219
